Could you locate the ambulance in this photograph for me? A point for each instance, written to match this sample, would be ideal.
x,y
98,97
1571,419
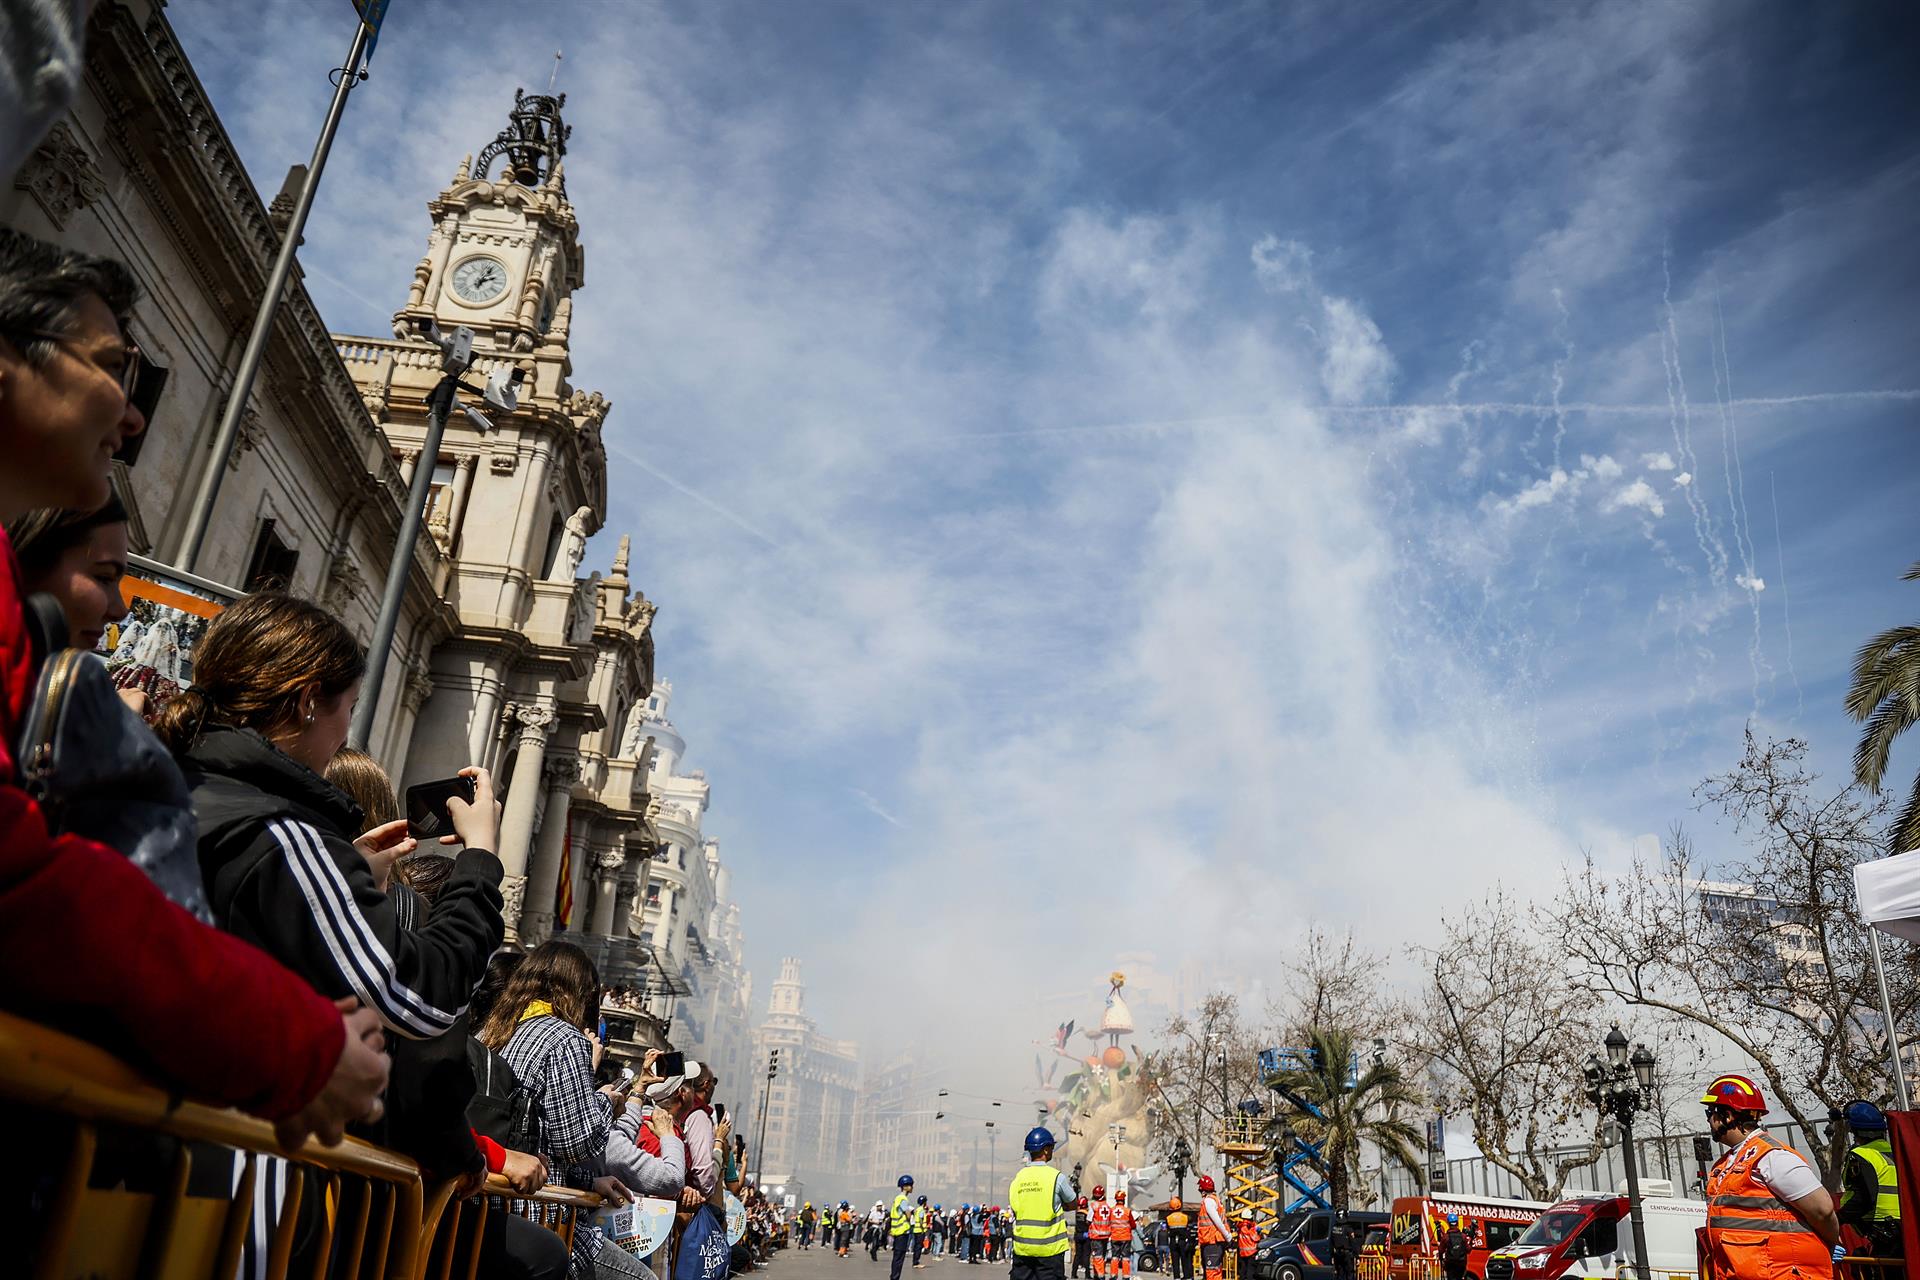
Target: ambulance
x,y
1589,1236
1420,1224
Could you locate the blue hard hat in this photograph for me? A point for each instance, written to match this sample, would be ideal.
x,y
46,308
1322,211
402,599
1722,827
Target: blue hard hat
x,y
1039,1139
906,1180
1864,1115
1453,1219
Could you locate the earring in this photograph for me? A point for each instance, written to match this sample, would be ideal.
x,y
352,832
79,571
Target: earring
x,y
309,717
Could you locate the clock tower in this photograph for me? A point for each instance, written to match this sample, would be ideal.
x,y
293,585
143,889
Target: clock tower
x,y
504,256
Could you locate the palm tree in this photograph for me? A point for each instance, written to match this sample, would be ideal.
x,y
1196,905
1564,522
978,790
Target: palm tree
x,y
1355,1109
1885,694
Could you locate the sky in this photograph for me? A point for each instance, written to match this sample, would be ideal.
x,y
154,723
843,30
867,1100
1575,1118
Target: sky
x,y
1149,477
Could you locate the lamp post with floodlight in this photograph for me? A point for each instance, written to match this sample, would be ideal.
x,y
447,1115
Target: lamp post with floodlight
x,y
1620,1086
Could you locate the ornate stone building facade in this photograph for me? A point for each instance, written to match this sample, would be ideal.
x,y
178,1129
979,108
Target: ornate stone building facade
x,y
506,654
812,1105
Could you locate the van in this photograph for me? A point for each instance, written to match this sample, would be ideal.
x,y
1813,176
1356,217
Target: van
x,y
1420,1223
1590,1236
1297,1246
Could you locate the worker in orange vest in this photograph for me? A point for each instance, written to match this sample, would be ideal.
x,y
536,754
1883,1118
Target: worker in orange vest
x,y
1213,1233
1120,1237
1768,1216
1249,1237
1099,1226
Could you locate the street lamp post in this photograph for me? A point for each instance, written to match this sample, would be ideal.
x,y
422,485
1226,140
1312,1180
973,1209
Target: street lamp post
x,y
1182,1155
1620,1086
993,1161
766,1099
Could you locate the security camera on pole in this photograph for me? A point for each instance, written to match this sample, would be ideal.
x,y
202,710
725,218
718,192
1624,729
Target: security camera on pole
x,y
502,391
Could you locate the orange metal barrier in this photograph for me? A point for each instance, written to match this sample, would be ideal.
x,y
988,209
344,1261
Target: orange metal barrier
x,y
366,1214
1872,1268
1370,1266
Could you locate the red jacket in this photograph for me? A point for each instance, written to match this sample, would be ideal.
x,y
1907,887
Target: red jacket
x,y
87,943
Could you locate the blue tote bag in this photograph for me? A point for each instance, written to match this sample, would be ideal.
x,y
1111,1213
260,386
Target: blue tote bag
x,y
703,1247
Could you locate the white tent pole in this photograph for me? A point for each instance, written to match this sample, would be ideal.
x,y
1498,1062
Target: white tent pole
x,y
1893,1032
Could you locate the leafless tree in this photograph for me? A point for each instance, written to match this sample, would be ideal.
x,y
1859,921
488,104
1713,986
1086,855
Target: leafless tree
x,y
1332,984
1771,956
1504,1032
1203,1065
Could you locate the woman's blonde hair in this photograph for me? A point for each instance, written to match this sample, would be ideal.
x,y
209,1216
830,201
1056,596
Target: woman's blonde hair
x,y
366,784
557,972
255,661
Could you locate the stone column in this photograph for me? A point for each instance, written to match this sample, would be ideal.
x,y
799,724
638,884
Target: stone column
x,y
661,923
462,489
608,860
523,793
409,458
543,876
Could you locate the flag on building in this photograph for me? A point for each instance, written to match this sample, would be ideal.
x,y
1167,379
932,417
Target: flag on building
x,y
563,900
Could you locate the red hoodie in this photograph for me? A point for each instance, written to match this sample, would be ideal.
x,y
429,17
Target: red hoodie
x,y
88,943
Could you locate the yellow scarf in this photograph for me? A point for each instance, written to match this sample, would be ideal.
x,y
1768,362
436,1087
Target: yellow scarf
x,y
535,1008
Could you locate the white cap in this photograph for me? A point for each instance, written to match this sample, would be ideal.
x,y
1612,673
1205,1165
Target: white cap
x,y
661,1090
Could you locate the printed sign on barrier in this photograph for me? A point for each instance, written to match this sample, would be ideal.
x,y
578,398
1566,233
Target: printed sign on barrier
x,y
736,1219
640,1227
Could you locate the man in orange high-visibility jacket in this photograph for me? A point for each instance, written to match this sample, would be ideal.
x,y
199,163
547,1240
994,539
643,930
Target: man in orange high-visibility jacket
x,y
1099,1226
1768,1216
1213,1233
1120,1237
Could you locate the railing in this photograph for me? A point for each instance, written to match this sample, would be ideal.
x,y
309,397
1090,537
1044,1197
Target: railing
x,y
142,1183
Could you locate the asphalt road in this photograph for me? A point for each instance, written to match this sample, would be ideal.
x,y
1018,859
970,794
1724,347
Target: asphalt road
x,y
822,1264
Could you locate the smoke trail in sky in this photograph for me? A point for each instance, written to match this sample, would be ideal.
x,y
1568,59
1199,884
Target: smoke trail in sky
x,y
1749,579
1565,334
1681,417
1786,600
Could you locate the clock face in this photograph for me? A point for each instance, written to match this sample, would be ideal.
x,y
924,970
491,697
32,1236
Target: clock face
x,y
479,280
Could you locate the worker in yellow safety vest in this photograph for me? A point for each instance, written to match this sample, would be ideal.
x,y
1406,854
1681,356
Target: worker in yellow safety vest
x,y
1040,1200
1871,1201
900,1224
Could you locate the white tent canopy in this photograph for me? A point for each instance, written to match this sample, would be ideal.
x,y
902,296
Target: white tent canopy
x,y
1889,892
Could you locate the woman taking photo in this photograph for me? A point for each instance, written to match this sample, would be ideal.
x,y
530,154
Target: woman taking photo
x,y
543,1025
274,685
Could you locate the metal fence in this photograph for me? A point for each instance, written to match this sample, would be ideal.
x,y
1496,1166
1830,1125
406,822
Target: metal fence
x,y
1669,1158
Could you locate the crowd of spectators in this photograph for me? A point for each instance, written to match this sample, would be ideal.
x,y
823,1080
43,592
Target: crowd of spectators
x,y
298,955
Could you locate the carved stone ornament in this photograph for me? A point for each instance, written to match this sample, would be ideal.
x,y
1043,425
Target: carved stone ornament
x,y
585,611
61,176
346,586
639,614
505,462
561,771
419,687
252,432
513,893
612,858
535,718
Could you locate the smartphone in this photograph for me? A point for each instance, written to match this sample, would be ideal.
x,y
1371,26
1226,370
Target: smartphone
x,y
668,1065
603,1031
719,1112
427,815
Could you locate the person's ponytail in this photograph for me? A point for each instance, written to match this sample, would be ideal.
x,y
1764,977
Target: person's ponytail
x,y
250,668
182,719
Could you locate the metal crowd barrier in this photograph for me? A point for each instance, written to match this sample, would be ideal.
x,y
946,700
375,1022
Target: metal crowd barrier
x,y
116,1196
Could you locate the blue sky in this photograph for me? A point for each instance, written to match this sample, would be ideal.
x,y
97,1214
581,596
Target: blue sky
x,y
1099,464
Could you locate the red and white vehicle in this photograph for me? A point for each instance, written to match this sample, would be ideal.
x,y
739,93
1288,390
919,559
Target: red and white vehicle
x,y
1588,1236
1420,1224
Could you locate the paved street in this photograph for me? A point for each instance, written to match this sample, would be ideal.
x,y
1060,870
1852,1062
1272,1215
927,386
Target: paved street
x,y
822,1264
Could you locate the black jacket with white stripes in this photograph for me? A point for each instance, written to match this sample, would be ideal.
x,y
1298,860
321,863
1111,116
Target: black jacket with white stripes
x,y
281,871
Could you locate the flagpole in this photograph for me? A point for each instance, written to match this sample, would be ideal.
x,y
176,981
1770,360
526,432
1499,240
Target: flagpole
x,y
200,514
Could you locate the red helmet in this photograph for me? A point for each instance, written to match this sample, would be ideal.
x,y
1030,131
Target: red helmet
x,y
1099,1193
1119,1197
1083,1202
1206,1182
1737,1093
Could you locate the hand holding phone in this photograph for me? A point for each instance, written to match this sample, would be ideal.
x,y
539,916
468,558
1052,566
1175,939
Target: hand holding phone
x,y
671,1064
429,816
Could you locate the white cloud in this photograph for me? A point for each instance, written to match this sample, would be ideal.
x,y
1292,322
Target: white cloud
x,y
1282,266
1558,483
1638,494
1657,461
1754,584
1684,479
1355,366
